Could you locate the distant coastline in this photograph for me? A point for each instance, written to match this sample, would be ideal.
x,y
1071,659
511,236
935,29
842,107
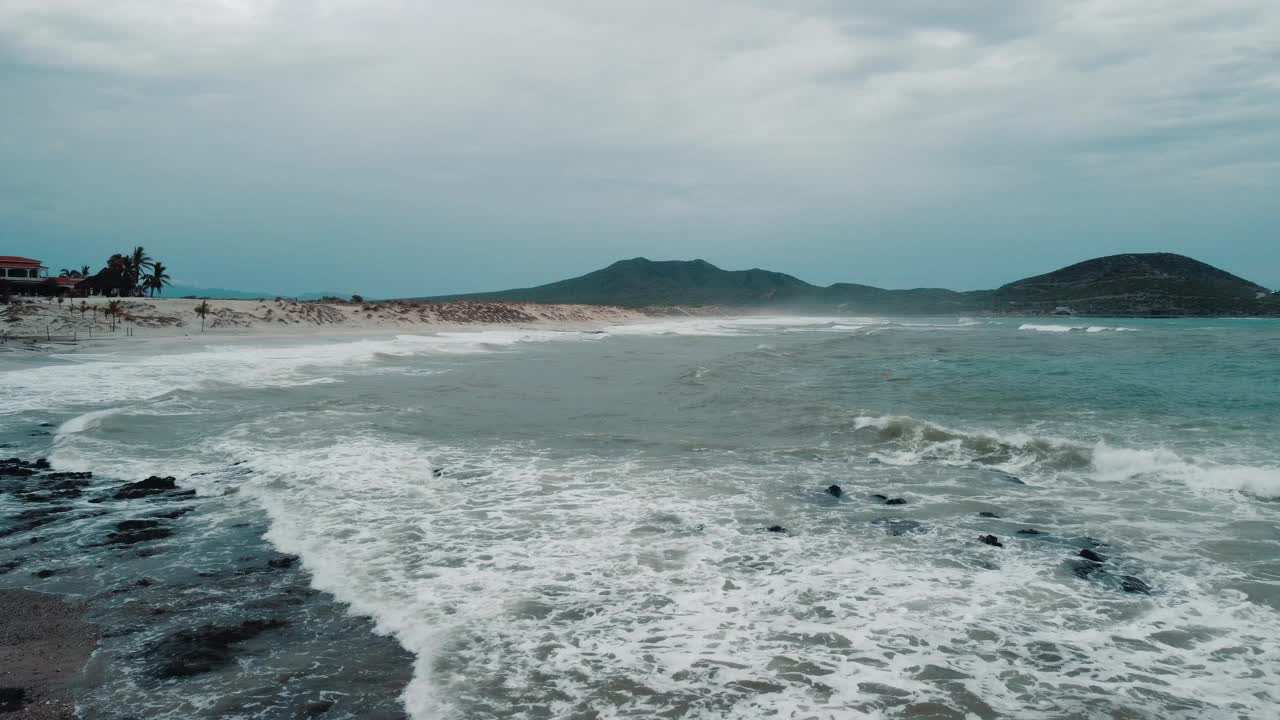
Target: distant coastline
x,y
1129,285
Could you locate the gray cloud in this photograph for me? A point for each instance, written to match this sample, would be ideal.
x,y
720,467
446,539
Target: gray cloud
x,y
541,138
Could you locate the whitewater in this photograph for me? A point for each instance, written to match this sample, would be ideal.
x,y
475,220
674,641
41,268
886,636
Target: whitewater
x,y
639,521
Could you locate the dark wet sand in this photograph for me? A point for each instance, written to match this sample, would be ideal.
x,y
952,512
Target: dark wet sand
x,y
44,644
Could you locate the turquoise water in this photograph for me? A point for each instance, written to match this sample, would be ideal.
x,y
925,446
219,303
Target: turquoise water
x,y
569,524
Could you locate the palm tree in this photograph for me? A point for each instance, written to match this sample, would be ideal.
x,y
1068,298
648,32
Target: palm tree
x,y
117,274
158,278
138,261
114,309
84,271
203,309
70,273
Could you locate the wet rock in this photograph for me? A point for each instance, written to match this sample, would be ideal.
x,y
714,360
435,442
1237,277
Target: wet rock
x,y
1011,479
153,485
132,532
879,497
895,501
991,540
835,491
776,529
196,651
127,525
175,514
69,476
283,562
1131,584
873,461
1090,555
900,526
987,514
35,518
12,699
41,464
317,708
44,573
9,566
438,472
36,498
1029,531
69,489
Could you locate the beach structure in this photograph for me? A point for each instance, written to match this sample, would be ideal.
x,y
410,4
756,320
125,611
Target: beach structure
x,y
27,276
21,270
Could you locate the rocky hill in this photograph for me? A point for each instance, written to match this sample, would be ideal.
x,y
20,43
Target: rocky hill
x,y
1152,284
1138,284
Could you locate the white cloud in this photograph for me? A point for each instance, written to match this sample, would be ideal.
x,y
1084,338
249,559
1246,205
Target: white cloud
x,y
720,111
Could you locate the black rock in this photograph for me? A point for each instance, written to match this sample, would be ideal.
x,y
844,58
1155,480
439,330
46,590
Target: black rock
x,y
133,537
1084,570
45,573
438,472
873,461
191,652
1092,556
317,708
136,525
175,514
282,562
45,425
69,476
153,485
895,501
1131,584
986,514
879,497
12,699
835,491
10,565
991,540
776,529
1029,531
41,464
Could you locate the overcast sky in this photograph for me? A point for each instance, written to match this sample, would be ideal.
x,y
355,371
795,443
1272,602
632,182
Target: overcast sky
x,y
412,147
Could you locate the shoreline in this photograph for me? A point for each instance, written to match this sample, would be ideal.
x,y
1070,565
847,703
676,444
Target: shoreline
x,y
45,644
165,632
43,325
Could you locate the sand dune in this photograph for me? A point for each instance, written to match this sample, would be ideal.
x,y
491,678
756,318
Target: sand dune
x,y
83,319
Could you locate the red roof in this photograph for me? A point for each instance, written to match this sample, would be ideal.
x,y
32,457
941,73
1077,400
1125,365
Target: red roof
x,y
19,262
73,281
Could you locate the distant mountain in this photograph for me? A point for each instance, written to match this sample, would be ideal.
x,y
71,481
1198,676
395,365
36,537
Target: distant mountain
x,y
1137,284
642,282
213,293
1158,284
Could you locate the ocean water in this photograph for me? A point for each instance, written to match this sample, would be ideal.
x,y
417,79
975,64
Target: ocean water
x,y
516,523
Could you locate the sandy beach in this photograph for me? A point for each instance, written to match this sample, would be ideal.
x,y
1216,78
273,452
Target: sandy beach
x,y
33,321
44,643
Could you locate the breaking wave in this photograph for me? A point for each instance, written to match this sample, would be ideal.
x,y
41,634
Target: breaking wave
x,y
905,440
1074,328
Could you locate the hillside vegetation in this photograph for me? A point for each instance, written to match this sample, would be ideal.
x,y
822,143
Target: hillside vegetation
x,y
1151,284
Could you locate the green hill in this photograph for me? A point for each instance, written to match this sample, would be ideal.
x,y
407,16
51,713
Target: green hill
x,y
1154,284
1139,284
